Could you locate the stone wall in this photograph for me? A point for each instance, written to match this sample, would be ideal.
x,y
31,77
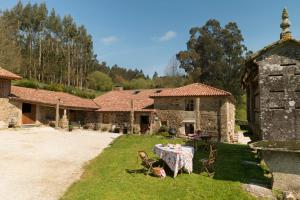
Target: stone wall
x,y
113,119
217,115
46,114
11,112
5,88
279,83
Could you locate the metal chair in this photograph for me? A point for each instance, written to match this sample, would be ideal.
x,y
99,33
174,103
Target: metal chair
x,y
146,161
208,163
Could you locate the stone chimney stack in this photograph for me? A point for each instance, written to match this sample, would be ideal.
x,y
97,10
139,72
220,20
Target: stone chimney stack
x,y
117,88
285,26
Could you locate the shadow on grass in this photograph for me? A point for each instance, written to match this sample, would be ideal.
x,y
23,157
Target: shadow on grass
x,y
229,164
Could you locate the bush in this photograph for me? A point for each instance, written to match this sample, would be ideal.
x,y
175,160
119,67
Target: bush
x,y
100,81
104,129
163,128
84,93
96,127
27,83
164,134
85,126
70,128
54,87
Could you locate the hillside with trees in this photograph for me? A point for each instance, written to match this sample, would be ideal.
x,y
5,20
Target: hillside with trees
x,y
53,52
41,45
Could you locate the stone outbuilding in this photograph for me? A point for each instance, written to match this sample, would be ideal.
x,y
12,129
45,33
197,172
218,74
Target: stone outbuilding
x,y
272,83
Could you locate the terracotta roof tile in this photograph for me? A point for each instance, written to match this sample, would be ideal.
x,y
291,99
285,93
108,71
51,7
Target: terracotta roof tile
x,y
121,100
51,98
8,75
196,89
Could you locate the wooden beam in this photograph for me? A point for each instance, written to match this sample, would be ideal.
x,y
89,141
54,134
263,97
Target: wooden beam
x,y
131,115
57,114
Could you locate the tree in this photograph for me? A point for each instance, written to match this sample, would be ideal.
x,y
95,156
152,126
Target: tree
x,y
155,75
100,81
173,67
215,56
139,83
10,56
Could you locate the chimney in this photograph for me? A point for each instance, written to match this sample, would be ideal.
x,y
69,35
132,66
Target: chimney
x,y
285,26
117,88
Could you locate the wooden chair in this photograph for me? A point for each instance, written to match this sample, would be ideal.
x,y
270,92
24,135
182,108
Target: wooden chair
x,y
146,161
208,163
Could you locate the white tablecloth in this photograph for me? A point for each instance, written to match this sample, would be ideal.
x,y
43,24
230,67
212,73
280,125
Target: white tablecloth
x,y
176,158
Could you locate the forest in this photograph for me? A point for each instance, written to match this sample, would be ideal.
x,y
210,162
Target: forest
x,y
53,52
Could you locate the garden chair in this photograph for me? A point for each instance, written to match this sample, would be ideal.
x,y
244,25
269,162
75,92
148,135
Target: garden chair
x,y
208,163
146,161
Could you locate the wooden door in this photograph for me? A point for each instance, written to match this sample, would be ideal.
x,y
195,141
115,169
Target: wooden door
x,y
28,113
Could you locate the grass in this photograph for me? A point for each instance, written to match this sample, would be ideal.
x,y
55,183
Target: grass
x,y
105,177
241,110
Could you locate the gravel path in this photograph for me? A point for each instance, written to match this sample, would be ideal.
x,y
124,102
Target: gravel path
x,y
41,163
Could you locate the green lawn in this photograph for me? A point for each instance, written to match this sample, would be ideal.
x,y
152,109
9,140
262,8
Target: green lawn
x,y
106,177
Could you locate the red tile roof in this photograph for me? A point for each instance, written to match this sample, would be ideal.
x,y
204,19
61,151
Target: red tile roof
x,y
50,98
116,101
196,89
4,74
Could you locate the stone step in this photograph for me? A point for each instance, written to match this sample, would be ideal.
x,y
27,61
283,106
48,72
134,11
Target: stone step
x,y
28,125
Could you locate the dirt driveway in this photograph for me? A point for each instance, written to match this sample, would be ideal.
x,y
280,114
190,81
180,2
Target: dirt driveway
x,y
41,163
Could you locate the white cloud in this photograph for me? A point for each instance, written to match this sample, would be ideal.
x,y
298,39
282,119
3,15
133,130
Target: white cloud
x,y
109,40
167,36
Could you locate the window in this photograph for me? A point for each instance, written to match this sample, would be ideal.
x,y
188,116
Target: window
x,y
189,105
26,108
105,118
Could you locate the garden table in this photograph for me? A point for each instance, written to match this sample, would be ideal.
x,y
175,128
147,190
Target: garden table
x,y
176,157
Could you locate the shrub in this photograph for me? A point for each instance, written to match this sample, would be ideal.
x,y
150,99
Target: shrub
x,y
164,134
54,87
163,128
85,126
27,83
70,128
104,129
96,127
52,124
100,81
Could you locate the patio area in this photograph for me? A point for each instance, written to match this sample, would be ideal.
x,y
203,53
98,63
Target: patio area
x,y
41,163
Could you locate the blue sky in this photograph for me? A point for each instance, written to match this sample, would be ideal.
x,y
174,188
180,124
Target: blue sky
x,y
145,34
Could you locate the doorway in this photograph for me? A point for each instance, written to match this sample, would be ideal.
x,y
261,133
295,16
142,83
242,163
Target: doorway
x,y
144,124
28,113
189,128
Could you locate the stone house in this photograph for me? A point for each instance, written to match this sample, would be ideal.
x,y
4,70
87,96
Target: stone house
x,y
197,107
26,106
272,83
187,109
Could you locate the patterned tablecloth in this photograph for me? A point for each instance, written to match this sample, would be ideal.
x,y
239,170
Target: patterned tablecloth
x,y
176,158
